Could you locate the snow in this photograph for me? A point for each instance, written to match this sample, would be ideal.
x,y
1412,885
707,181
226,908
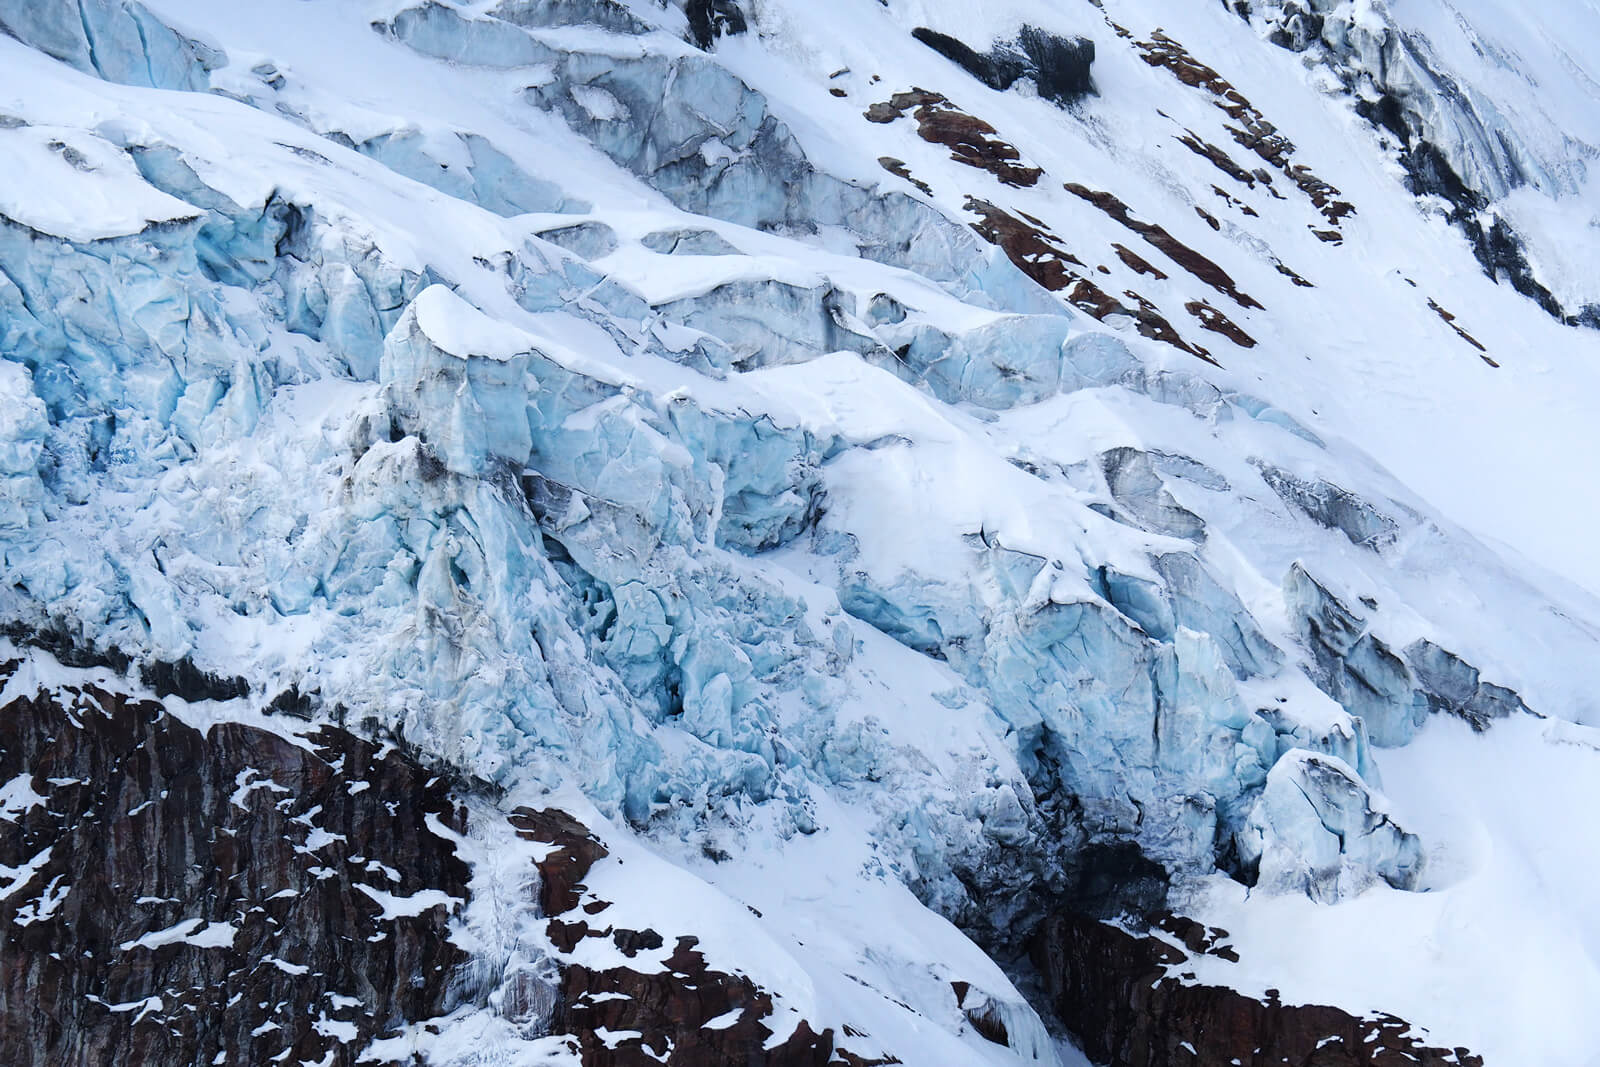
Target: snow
x,y
248,783
20,876
343,1032
461,330
723,1021
818,553
679,903
69,183
197,933
140,1007
870,949
42,907
285,966
600,104
395,906
1509,875
17,797
612,1038
1405,396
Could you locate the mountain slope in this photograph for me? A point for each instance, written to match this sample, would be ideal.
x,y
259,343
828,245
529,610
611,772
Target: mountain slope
x,y
885,550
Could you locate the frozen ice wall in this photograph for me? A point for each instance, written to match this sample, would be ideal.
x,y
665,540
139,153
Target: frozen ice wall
x,y
572,410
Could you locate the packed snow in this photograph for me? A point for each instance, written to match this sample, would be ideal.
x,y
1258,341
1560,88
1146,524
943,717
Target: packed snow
x,y
601,416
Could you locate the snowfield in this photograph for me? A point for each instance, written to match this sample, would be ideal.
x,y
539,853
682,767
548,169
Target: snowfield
x,y
866,498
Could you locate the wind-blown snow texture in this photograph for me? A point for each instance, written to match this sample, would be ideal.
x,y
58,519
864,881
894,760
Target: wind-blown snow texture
x,y
650,425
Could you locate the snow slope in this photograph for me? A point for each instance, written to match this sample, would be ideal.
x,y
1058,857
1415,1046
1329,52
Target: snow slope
x,y
650,431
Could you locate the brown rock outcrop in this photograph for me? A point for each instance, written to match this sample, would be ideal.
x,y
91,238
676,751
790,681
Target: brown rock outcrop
x,y
685,1013
1038,253
1124,997
1196,264
1253,131
971,140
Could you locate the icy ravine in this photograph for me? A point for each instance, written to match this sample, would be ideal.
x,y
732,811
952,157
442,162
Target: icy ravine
x,y
616,422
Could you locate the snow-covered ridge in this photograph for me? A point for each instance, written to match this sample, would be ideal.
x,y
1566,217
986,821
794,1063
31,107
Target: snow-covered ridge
x,y
688,432
1488,110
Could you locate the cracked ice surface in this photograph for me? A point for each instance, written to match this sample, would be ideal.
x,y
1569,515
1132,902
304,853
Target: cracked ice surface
x,y
829,526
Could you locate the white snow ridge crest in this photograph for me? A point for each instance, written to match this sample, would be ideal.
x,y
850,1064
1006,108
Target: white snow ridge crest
x,y
829,532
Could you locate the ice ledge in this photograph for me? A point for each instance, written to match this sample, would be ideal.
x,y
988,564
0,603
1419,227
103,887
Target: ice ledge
x,y
72,184
457,328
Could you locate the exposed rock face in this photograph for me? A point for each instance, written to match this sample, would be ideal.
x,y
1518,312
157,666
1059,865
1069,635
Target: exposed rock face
x,y
670,1010
174,894
1040,255
1253,131
1452,141
1058,66
971,140
710,19
1124,996
171,895
661,1008
582,525
1158,237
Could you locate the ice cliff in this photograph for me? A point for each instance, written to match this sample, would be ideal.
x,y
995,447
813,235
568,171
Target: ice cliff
x,y
729,467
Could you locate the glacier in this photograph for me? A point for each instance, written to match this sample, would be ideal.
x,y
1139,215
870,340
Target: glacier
x,y
574,398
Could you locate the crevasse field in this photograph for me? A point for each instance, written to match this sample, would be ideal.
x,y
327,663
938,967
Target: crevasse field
x,y
888,507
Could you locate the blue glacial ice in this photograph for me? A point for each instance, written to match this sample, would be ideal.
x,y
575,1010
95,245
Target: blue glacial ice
x,y
496,500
